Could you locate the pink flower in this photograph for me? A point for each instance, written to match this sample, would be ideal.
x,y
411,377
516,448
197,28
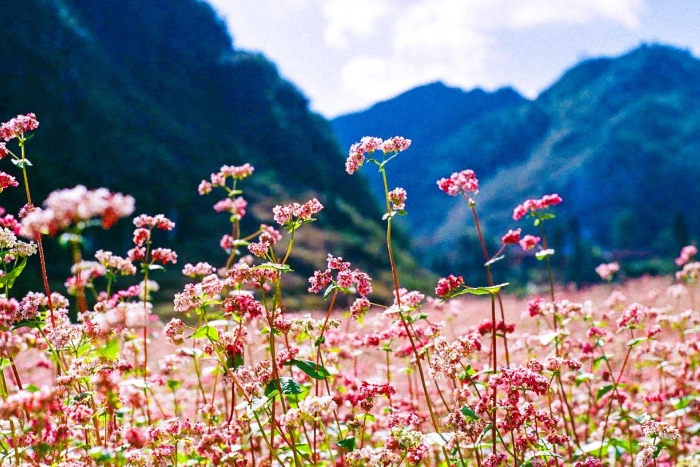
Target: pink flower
x,y
158,221
18,126
204,188
3,151
397,196
529,242
356,155
606,271
395,144
164,255
512,237
69,206
446,285
464,182
532,205
303,212
687,252
7,180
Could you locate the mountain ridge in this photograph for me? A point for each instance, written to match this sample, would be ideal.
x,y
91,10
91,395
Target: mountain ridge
x,y
607,131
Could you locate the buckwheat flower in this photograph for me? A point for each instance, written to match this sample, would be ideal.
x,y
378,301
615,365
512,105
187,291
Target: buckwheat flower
x,y
141,235
204,188
687,252
446,285
632,316
397,196
239,173
395,144
236,206
529,242
512,237
8,239
532,205
136,254
18,126
459,182
226,243
7,180
164,255
356,155
645,456
23,249
174,329
3,151
115,263
200,269
285,214
359,307
607,271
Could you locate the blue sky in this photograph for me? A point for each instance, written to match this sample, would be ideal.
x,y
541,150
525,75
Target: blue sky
x,y
345,55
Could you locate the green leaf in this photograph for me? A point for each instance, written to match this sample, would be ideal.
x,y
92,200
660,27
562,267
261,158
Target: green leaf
x,y
109,350
235,361
319,341
603,391
310,368
32,388
303,448
637,341
22,163
29,323
329,290
173,384
469,413
5,363
151,267
8,280
207,331
348,443
597,362
275,266
287,385
492,290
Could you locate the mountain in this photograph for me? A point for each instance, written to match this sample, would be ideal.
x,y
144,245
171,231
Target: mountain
x,y
618,138
148,98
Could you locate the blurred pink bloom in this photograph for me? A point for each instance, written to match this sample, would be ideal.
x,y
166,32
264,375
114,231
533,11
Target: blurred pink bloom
x,y
512,237
606,271
464,181
529,242
69,206
532,205
687,252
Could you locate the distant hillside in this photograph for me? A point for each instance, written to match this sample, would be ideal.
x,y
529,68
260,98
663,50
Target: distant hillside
x,y
149,97
617,138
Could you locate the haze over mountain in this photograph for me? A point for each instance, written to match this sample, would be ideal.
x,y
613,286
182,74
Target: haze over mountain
x,y
149,97
618,138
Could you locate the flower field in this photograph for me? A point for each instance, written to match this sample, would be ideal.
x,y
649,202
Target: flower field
x,y
469,375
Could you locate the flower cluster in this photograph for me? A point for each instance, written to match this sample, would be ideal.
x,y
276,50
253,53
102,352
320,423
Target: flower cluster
x,y
606,271
459,182
687,253
370,144
346,278
533,205
397,197
286,214
64,208
447,285
17,127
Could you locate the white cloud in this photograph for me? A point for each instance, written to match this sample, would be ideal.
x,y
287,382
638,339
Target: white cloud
x,y
533,13
352,19
451,40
